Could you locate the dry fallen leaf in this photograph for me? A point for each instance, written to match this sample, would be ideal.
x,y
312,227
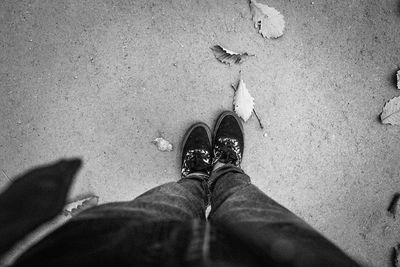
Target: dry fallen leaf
x,y
267,20
243,102
227,56
391,112
163,145
73,208
254,110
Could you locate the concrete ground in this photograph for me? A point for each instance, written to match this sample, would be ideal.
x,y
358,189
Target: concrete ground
x,y
101,79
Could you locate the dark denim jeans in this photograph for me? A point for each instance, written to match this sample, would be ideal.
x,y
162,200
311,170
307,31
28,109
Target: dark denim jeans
x,y
166,226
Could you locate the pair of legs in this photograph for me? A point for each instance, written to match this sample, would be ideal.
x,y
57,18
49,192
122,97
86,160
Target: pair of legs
x,y
167,224
273,233
211,174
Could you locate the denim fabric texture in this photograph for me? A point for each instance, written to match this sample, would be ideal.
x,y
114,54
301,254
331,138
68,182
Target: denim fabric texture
x,y
167,226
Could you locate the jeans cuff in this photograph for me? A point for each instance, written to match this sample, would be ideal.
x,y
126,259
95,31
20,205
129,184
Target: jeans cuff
x,y
197,176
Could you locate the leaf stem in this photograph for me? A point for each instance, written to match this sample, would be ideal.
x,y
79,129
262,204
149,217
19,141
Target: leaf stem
x,y
258,118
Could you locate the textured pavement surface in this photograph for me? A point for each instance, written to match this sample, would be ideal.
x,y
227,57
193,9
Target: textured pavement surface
x,y
102,79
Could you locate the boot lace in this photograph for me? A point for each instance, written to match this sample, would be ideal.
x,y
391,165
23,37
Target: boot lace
x,y
196,160
227,150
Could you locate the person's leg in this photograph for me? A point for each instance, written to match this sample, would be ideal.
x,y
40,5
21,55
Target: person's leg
x,y
182,200
274,234
143,232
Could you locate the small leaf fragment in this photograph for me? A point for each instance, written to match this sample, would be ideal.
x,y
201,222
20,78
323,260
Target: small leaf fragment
x,y
391,112
243,102
269,21
398,79
73,208
163,145
229,57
